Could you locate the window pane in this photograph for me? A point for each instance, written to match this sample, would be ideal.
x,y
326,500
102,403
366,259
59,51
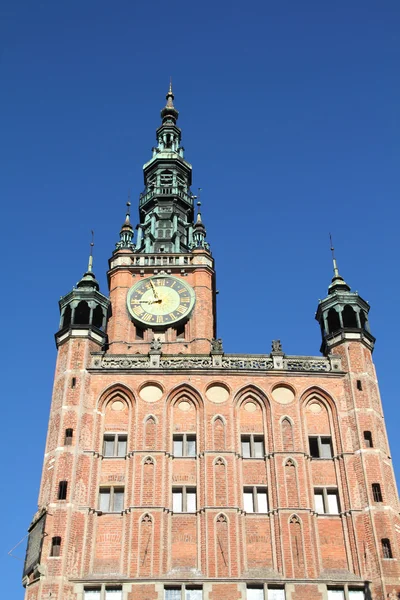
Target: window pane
x,y
113,594
335,595
172,594
248,501
191,446
191,501
118,500
108,447
246,448
333,507
262,502
178,449
104,503
92,594
121,446
326,448
255,593
176,504
276,594
193,594
258,448
356,595
314,449
319,503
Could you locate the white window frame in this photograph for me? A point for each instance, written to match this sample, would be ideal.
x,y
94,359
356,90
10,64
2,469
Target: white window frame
x,y
255,490
184,490
117,437
184,438
326,493
267,590
183,588
252,439
112,490
102,589
346,591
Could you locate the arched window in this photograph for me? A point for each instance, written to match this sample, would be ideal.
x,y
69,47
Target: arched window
x,y
67,316
98,317
333,320
82,313
349,317
386,548
363,320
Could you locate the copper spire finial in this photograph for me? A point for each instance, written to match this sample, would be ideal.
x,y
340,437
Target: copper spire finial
x,y
90,265
335,267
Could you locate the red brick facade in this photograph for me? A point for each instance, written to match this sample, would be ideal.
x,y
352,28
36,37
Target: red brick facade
x,y
218,545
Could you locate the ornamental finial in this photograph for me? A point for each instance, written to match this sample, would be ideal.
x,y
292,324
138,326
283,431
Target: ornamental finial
x,y
338,283
335,267
90,264
126,233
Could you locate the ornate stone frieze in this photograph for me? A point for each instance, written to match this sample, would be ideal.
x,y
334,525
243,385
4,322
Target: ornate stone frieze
x,y
227,362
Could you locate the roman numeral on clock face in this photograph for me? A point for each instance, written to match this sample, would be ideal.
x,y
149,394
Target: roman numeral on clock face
x,y
146,317
181,309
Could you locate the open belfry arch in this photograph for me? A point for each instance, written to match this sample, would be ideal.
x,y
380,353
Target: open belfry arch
x,y
176,471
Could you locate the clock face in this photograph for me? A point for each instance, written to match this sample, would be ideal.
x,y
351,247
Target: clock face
x,y
160,301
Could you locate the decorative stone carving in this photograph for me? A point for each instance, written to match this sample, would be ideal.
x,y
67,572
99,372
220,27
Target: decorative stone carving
x,y
155,345
218,361
146,518
221,519
276,347
216,345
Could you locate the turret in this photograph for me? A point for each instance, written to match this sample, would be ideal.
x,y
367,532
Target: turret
x,y
343,315
83,311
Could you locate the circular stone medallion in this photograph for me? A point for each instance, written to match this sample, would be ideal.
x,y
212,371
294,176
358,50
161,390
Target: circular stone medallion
x,y
283,394
314,407
217,393
117,405
185,406
151,392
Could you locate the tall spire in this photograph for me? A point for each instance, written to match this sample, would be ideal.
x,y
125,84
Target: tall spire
x,y
89,279
169,114
199,231
126,233
338,283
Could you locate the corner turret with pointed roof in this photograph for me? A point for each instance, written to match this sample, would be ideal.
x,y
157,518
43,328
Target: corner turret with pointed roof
x,y
343,314
84,309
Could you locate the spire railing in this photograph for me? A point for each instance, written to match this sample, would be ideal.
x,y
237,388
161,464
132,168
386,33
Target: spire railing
x,y
161,191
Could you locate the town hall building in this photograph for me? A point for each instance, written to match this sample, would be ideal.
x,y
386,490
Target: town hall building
x,y
176,471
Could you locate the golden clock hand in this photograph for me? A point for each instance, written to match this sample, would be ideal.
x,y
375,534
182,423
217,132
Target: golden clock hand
x,y
146,301
154,289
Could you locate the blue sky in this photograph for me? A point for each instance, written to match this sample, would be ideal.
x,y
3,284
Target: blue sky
x,y
290,117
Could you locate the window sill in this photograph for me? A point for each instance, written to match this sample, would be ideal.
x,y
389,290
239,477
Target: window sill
x,y
184,513
254,457
173,456
113,457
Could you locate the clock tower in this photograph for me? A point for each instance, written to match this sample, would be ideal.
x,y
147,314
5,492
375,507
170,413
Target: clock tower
x,y
176,471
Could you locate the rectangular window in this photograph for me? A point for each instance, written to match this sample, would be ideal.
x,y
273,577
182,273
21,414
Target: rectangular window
x,y
112,592
386,548
356,595
255,592
184,444
368,439
336,594
376,492
253,446
184,499
55,546
111,499
276,593
255,499
114,444
326,501
320,446
62,490
92,594
193,593
68,437
172,593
